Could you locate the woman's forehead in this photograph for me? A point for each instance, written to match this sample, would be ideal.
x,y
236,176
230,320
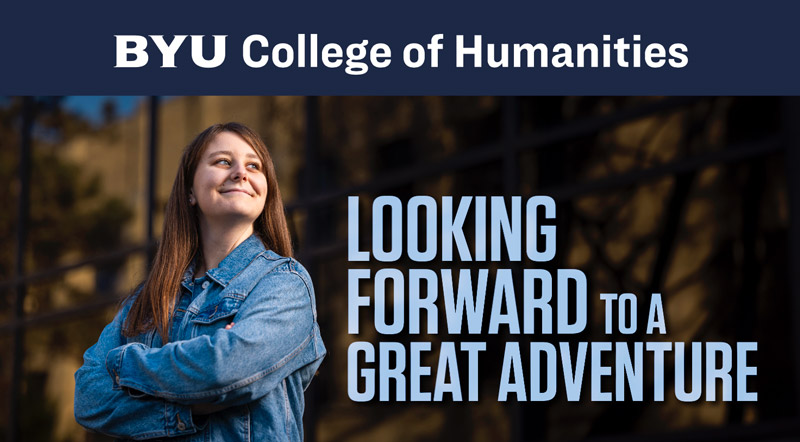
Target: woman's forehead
x,y
229,142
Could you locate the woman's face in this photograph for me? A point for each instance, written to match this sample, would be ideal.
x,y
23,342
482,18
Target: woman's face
x,y
229,182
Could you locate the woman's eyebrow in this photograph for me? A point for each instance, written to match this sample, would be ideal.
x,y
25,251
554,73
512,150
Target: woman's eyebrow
x,y
230,154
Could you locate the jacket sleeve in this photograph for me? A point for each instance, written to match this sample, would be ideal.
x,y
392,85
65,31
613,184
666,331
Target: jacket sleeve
x,y
103,407
275,334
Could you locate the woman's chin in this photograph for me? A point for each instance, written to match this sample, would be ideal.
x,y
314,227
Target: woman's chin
x,y
228,217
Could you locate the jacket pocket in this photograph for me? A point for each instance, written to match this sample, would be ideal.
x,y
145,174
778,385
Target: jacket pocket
x,y
225,308
214,317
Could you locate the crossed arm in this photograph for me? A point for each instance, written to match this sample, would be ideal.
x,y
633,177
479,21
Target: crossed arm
x,y
230,367
101,407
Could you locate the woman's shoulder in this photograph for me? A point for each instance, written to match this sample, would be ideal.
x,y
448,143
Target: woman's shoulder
x,y
274,263
271,269
274,278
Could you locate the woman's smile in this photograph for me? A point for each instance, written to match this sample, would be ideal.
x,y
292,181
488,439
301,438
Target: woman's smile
x,y
236,191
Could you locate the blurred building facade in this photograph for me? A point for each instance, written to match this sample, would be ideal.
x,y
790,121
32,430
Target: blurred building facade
x,y
688,197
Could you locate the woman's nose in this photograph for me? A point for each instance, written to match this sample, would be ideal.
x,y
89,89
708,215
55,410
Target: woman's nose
x,y
239,173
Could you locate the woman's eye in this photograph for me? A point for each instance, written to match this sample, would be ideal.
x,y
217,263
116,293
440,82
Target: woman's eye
x,y
254,166
224,162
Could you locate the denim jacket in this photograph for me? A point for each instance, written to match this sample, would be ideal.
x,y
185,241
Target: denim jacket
x,y
137,388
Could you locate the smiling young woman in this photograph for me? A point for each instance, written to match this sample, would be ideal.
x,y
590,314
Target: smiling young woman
x,y
229,188
221,339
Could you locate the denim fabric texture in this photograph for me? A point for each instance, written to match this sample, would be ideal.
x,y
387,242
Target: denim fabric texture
x,y
138,388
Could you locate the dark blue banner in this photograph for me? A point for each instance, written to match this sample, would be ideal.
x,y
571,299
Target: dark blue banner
x,y
408,48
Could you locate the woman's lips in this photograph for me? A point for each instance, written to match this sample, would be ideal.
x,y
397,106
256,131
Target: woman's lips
x,y
237,190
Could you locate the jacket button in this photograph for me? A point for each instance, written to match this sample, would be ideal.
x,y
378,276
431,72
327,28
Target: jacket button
x,y
181,426
205,285
116,378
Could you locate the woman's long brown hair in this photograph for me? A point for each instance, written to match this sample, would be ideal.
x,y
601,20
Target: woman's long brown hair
x,y
180,242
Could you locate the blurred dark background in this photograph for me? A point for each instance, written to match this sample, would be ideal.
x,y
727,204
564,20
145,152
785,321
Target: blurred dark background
x,y
689,197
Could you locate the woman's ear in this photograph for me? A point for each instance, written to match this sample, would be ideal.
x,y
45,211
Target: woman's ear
x,y
192,201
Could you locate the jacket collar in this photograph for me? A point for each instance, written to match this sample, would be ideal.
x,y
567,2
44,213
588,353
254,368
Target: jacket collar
x,y
232,265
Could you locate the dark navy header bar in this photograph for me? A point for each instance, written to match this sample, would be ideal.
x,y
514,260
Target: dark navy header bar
x,y
353,48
